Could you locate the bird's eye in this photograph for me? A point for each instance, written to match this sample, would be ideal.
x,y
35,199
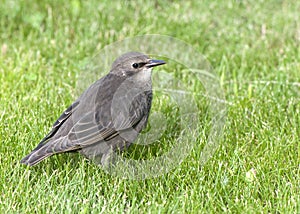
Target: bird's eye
x,y
135,65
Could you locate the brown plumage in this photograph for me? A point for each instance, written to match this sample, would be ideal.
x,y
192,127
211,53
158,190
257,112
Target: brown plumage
x,y
107,116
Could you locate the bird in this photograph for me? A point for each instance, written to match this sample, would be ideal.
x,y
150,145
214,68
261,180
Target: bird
x,y
107,116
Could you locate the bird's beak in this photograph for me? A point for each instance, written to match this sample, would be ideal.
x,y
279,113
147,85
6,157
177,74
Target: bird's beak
x,y
155,62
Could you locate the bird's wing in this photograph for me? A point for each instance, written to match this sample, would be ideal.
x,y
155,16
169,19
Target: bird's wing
x,y
63,117
96,126
48,145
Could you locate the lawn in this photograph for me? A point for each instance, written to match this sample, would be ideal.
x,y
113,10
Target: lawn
x,y
252,48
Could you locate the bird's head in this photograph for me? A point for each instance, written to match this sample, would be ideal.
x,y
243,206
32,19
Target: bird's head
x,y
134,63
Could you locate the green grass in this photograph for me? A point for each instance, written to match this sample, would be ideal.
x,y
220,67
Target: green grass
x,y
253,46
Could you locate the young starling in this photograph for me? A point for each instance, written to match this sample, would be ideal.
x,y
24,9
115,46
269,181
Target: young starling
x,y
107,117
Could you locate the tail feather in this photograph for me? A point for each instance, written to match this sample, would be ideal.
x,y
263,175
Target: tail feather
x,y
35,157
50,148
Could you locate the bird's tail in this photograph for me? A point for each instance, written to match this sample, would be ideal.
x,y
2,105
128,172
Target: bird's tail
x,y
44,150
35,157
